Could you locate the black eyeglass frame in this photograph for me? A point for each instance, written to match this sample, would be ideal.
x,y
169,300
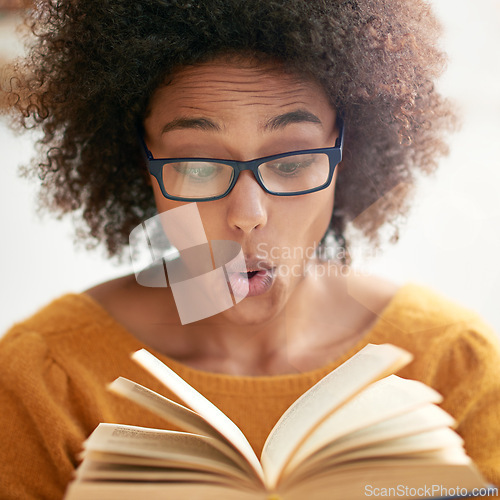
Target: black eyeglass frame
x,y
334,156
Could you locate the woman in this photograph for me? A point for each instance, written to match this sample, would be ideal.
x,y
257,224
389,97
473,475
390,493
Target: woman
x,y
115,85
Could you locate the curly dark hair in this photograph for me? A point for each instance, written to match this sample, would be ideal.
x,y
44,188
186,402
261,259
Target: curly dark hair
x,y
95,64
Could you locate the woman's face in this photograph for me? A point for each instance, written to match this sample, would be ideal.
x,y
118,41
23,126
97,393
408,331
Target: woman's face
x,y
229,111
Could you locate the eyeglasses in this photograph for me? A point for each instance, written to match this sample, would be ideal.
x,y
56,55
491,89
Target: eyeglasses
x,y
287,174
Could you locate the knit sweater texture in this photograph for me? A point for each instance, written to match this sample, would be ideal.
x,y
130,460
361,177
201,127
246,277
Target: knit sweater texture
x,y
54,368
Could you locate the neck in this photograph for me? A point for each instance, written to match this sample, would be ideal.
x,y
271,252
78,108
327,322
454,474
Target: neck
x,y
323,317
235,338
298,337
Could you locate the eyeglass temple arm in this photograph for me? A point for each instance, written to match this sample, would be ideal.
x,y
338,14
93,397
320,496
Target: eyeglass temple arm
x,y
149,155
340,139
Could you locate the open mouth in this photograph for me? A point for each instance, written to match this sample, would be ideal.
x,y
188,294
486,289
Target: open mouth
x,y
249,274
250,283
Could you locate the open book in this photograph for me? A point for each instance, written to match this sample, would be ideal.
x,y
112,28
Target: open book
x,y
358,429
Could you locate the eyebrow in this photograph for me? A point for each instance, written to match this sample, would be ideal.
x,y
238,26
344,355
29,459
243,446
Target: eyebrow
x,y
186,123
297,116
275,123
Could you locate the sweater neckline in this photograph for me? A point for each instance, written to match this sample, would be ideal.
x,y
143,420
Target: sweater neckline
x,y
128,342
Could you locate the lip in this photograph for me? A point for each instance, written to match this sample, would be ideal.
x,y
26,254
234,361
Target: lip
x,y
243,286
256,264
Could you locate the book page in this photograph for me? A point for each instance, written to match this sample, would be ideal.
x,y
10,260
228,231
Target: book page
x,y
173,447
406,478
420,420
176,414
423,419
427,441
372,363
85,490
201,405
108,471
452,454
422,448
170,410
380,401
108,457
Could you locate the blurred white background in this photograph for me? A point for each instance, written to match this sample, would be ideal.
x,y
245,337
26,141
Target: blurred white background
x,y
451,241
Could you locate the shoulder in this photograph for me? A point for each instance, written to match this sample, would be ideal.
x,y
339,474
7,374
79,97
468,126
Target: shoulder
x,y
458,354
60,317
452,345
66,336
64,317
45,391
30,350
121,298
421,309
146,313
420,312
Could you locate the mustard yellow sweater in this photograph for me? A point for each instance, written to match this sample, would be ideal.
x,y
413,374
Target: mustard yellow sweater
x,y
54,368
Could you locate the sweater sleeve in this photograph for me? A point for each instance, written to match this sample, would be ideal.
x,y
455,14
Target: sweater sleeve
x,y
38,432
468,376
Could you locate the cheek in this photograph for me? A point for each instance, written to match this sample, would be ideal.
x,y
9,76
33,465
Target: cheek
x,y
323,217
327,206
316,214
175,230
162,204
159,198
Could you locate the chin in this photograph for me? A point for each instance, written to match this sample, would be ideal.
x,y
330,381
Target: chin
x,y
253,311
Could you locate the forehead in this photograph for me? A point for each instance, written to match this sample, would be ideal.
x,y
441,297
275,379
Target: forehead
x,y
219,88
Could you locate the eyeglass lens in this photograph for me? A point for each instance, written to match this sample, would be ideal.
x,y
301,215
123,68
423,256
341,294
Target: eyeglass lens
x,y
289,174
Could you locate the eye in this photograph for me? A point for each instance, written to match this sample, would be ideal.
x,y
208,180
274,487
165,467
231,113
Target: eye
x,y
287,168
290,166
197,171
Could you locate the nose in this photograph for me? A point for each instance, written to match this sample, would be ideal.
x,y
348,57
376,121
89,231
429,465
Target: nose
x,y
247,204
